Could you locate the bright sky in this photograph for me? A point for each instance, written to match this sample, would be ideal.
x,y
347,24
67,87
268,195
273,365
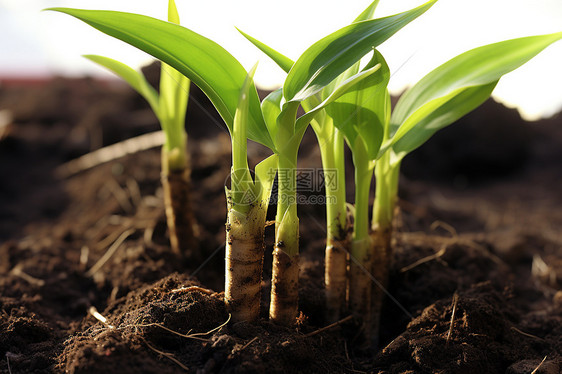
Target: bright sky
x,y
40,43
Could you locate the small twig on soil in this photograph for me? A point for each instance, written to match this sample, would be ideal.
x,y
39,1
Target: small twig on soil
x,y
134,191
8,361
449,228
421,261
526,334
248,344
110,153
455,302
120,195
110,252
113,235
97,315
168,356
328,327
538,367
269,223
193,288
26,277
84,254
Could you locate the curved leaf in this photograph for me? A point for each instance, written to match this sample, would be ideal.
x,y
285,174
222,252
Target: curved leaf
x,y
368,12
362,113
329,57
281,60
446,112
134,78
475,71
206,63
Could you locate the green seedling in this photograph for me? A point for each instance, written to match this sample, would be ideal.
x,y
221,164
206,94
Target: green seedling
x,y
436,101
330,137
231,89
222,79
170,108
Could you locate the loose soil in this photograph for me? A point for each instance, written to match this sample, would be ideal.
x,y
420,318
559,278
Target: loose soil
x,y
475,285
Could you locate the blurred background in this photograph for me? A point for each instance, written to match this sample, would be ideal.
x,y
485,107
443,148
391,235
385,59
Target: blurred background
x,y
36,44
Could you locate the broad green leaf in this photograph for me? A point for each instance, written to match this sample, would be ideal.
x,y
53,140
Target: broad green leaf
x,y
329,57
219,75
446,111
361,113
134,78
283,61
347,85
475,71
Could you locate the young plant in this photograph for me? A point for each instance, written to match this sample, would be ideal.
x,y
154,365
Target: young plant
x,y
170,108
222,78
247,202
441,97
331,140
231,89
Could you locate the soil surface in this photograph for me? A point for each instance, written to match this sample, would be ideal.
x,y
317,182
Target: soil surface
x,y
88,283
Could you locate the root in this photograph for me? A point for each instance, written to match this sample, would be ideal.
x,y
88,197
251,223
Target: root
x,y
26,277
248,344
94,313
429,258
538,367
110,252
344,320
526,334
169,356
206,291
455,302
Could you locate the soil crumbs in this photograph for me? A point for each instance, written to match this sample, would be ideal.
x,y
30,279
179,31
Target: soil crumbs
x,y
88,284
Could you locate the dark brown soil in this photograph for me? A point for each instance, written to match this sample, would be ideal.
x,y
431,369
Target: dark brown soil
x,y
475,284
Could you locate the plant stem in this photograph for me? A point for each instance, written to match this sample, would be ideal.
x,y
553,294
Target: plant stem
x,y
176,168
360,284
285,272
386,195
247,204
333,162
244,261
176,183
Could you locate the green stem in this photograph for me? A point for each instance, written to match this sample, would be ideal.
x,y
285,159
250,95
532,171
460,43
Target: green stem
x,y
335,275
360,284
285,273
386,195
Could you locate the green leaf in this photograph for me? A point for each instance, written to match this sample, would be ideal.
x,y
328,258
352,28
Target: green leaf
x,y
349,84
362,113
265,175
174,93
134,78
471,76
173,15
446,111
367,13
219,75
329,57
283,61
271,108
